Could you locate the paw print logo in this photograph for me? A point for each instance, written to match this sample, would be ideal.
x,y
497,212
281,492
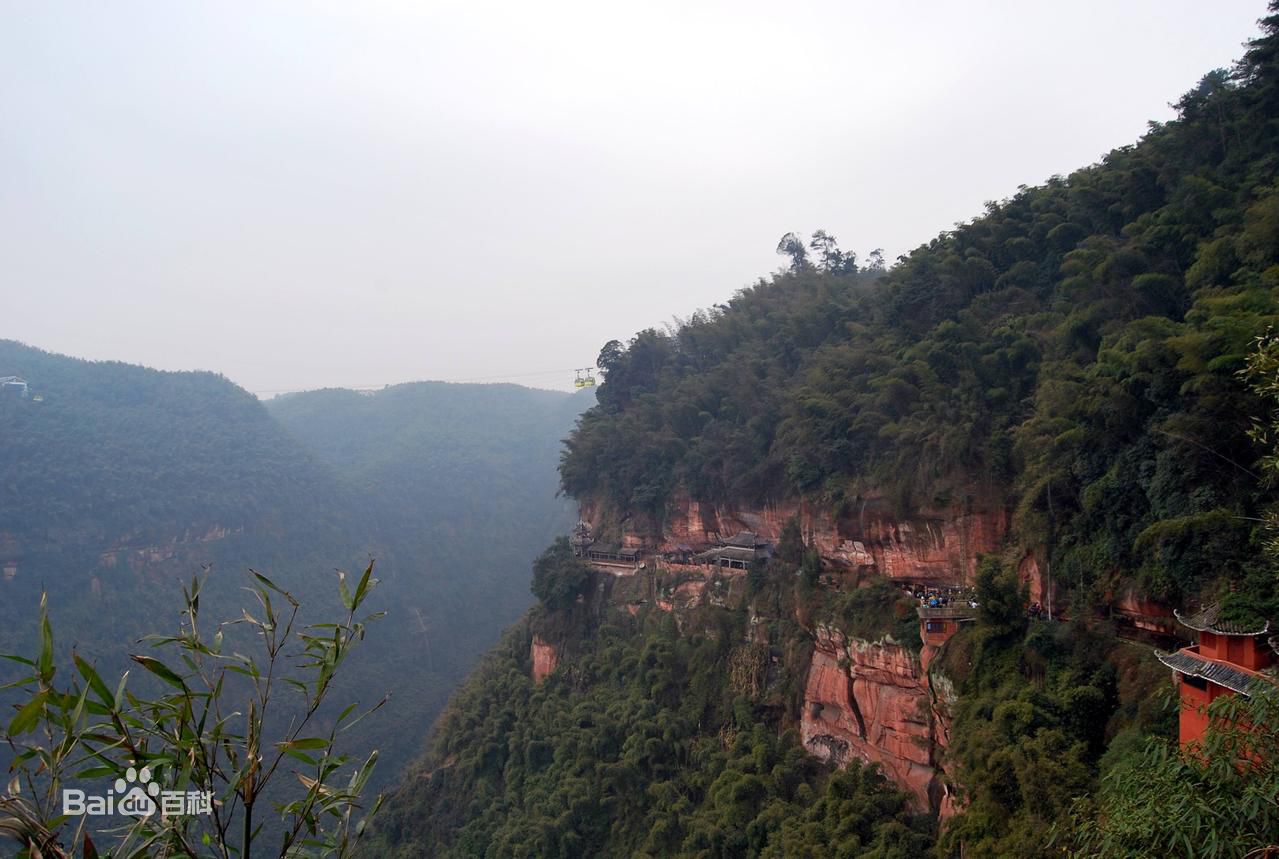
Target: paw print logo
x,y
140,799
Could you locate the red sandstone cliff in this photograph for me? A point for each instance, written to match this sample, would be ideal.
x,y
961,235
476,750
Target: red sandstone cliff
x,y
940,545
872,701
545,658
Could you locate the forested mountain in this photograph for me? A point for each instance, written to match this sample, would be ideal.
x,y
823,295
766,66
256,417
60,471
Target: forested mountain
x,y
1075,350
111,451
119,483
1075,362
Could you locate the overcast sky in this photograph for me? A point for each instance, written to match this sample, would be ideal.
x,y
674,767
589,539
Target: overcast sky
x,y
307,195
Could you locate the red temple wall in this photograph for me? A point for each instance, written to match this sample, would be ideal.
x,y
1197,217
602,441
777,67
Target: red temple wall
x,y
1249,652
1212,645
1256,655
1193,722
941,636
1194,714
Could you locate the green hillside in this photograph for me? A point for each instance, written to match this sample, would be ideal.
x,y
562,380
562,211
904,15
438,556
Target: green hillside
x,y
1078,354
112,450
1075,350
119,482
459,484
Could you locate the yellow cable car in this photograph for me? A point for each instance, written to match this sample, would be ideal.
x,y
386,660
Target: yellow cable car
x,y
584,378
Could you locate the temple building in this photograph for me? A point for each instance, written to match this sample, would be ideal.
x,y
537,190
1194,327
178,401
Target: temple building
x,y
737,552
937,623
1228,660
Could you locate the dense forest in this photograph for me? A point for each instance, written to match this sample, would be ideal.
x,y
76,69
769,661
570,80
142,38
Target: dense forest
x,y
666,737
640,750
1093,355
119,483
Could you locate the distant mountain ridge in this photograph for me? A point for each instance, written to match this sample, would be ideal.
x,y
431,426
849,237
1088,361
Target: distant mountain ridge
x,y
120,482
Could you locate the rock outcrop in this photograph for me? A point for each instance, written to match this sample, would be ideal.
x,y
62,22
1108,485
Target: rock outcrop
x,y
939,545
1140,612
872,701
545,658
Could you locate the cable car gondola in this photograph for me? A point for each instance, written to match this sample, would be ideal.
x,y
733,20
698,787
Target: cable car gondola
x,y
584,378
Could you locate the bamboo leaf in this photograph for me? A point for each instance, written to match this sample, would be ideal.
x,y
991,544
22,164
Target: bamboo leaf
x,y
28,715
95,681
46,667
273,586
344,590
118,698
362,589
159,669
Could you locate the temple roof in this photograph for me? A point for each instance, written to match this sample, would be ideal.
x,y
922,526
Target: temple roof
x,y
744,540
1221,673
733,553
1207,620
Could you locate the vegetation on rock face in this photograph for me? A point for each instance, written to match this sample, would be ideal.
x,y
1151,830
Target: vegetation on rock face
x,y
1218,801
636,747
1038,705
559,578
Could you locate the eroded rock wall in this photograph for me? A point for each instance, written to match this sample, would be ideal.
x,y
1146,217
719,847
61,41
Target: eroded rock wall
x,y
872,701
545,658
940,544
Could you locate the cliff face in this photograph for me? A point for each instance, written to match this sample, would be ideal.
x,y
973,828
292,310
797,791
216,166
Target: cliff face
x,y
872,701
939,545
545,658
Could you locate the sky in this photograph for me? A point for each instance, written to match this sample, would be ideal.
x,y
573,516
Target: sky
x,y
303,195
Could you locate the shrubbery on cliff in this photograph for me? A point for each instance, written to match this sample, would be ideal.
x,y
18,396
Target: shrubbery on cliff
x,y
640,746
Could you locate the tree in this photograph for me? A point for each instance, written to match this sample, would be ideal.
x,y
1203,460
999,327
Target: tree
x,y
790,545
792,245
832,259
191,738
1001,602
559,577
610,356
1218,802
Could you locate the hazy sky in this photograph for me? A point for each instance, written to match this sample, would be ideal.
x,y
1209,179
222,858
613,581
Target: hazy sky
x,y
305,195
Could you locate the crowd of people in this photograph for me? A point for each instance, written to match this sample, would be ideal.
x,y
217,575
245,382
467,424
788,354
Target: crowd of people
x,y
941,597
